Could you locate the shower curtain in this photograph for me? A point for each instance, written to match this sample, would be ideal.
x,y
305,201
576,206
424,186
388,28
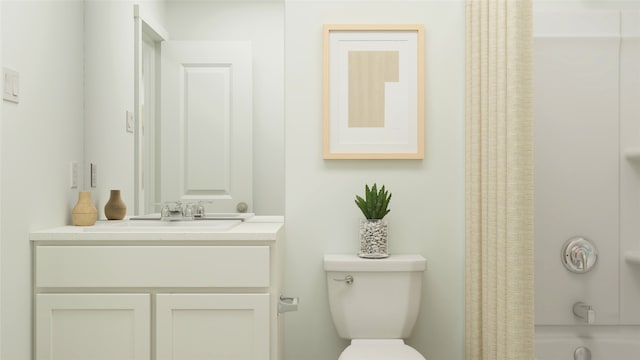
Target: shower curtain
x,y
499,181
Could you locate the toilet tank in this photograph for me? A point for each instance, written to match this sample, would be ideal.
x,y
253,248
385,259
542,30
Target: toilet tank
x,y
382,301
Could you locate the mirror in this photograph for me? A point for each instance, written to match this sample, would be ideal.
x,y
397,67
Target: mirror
x,y
201,134
209,105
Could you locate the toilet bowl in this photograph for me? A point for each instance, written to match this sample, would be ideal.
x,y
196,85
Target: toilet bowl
x,y
380,349
375,304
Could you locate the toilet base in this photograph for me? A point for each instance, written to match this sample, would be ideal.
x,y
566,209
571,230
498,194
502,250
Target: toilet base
x,y
380,349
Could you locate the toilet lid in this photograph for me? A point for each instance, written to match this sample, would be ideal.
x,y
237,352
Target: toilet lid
x,y
380,349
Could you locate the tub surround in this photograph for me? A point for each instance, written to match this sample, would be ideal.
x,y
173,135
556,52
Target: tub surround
x,y
141,292
603,342
632,257
589,188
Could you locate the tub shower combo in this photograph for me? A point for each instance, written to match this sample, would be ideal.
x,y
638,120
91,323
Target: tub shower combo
x,y
587,180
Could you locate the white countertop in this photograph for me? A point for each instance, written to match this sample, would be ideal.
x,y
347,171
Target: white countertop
x,y
257,228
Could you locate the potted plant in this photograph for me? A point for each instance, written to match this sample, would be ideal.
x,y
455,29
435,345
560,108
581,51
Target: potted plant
x,y
373,229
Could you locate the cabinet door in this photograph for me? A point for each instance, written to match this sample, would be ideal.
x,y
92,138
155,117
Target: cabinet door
x,y
92,326
212,326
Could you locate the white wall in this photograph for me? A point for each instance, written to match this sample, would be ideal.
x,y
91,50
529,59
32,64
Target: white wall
x,y
109,94
40,137
42,134
1,104
109,82
262,23
427,208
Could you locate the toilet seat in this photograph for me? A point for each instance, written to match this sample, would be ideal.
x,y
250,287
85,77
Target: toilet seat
x,y
380,349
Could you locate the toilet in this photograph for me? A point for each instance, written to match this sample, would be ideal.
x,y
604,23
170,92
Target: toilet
x,y
375,303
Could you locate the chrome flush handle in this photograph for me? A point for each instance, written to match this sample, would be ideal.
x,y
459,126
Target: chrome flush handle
x,y
347,279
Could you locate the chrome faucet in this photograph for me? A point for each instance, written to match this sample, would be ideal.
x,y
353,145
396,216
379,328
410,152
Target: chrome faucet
x,y
585,312
172,211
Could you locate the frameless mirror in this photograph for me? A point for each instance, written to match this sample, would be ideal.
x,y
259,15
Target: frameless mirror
x,y
209,100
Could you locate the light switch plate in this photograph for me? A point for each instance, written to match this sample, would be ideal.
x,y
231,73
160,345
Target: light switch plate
x,y
129,121
74,175
94,175
11,89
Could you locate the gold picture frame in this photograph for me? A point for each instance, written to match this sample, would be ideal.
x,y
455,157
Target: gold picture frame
x,y
373,91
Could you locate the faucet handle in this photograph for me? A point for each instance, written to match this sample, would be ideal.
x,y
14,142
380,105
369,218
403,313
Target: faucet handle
x,y
579,255
165,212
200,209
188,211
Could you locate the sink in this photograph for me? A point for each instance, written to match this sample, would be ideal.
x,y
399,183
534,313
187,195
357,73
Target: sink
x,y
207,216
152,225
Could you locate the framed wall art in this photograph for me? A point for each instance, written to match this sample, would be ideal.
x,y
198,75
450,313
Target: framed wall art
x,y
373,92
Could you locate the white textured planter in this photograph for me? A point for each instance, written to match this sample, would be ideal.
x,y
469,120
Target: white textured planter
x,y
373,238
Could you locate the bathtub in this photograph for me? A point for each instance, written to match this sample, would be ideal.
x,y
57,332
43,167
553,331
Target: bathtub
x,y
603,342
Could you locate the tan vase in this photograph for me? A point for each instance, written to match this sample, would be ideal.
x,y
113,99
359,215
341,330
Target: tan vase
x,y
115,209
84,213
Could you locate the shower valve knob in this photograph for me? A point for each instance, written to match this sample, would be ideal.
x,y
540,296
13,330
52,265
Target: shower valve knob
x,y
579,255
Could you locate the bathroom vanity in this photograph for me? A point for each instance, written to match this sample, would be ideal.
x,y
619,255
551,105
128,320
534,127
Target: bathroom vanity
x,y
118,290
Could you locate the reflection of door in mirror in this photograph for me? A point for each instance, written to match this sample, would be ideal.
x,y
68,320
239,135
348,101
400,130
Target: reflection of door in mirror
x,y
147,80
206,124
147,191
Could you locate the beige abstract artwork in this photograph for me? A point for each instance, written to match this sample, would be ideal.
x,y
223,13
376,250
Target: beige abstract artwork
x,y
368,73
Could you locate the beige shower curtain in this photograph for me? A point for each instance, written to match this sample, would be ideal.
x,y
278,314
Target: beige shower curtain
x,y
499,180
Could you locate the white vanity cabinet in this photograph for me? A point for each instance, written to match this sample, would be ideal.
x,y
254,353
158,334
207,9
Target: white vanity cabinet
x,y
93,326
158,296
222,326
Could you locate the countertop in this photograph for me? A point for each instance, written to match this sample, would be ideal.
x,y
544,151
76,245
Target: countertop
x,y
257,228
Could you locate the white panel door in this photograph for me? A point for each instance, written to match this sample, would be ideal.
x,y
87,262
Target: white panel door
x,y
212,326
92,326
206,117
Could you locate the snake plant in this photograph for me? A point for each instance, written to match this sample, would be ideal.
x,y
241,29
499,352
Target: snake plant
x,y
375,204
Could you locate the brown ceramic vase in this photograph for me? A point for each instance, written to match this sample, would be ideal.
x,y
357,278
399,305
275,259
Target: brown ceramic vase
x,y
115,209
